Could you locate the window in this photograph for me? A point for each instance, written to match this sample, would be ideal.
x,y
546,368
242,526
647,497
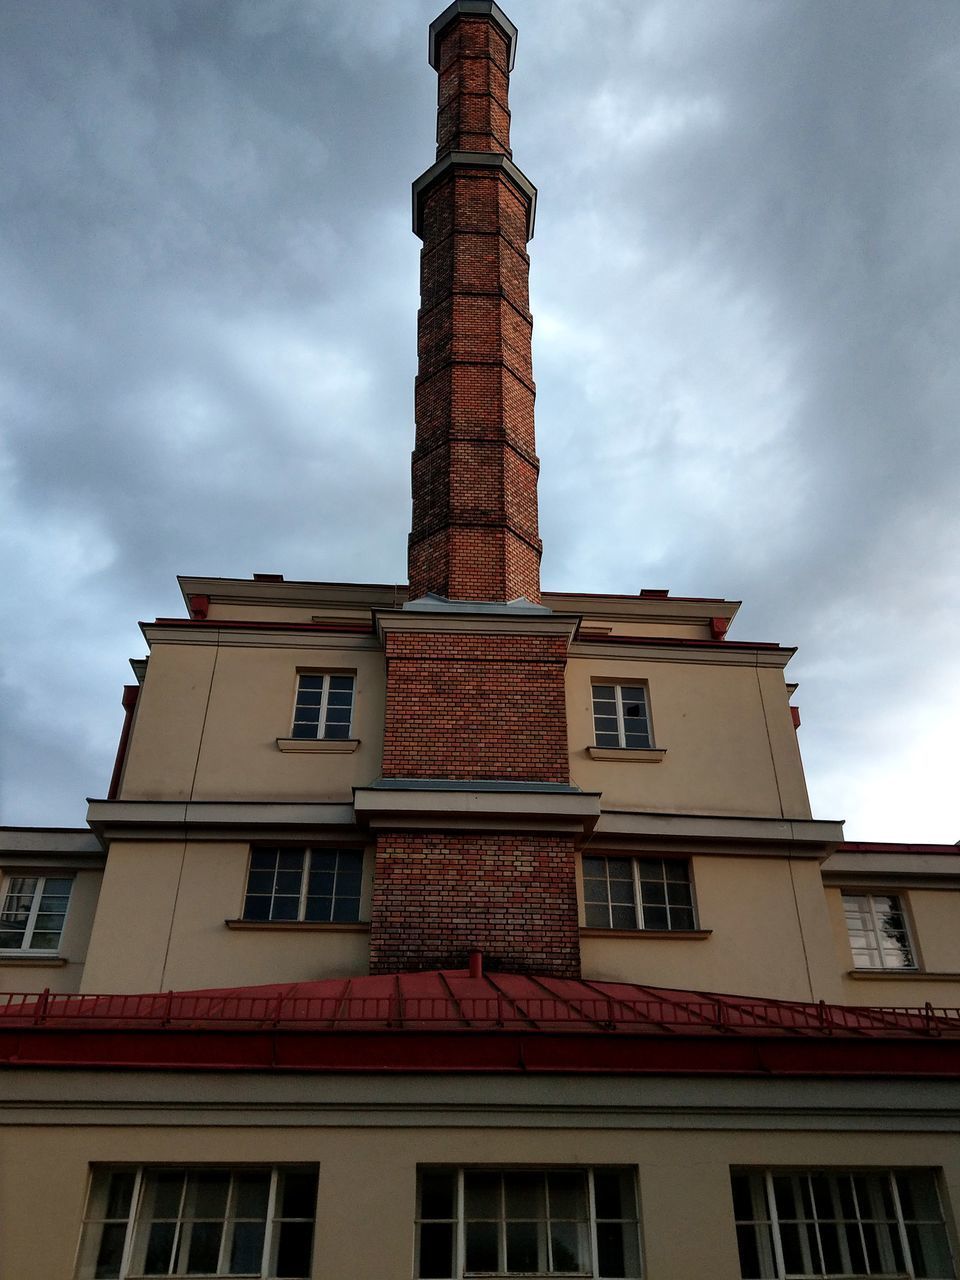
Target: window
x,y
877,926
199,1221
620,716
637,893
546,1222
324,706
821,1223
33,912
315,885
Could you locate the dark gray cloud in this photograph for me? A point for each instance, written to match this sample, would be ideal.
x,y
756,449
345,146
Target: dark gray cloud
x,y
746,297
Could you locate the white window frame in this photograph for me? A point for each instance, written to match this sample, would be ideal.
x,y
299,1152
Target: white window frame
x,y
765,1212
41,877
883,967
325,676
460,1223
634,859
618,687
134,1222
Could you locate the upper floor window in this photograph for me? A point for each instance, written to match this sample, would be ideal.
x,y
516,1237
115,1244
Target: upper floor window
x,y
324,706
316,885
199,1221
637,893
877,926
621,716
843,1224
519,1222
34,909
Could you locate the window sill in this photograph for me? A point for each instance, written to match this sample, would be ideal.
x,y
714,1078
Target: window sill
x,y
302,926
39,959
628,755
333,745
894,975
674,935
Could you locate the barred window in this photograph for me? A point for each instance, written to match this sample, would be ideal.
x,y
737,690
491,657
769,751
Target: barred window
x,y
324,706
517,1222
199,1221
637,893
844,1224
320,886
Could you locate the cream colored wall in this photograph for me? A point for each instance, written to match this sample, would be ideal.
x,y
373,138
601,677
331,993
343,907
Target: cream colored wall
x,y
64,973
368,1176
771,935
240,698
934,920
729,738
161,925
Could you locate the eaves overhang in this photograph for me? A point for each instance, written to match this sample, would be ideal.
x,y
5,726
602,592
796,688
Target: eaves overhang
x,y
472,160
439,803
207,819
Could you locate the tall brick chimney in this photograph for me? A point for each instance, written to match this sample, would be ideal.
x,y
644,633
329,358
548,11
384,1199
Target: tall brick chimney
x,y
474,817
474,534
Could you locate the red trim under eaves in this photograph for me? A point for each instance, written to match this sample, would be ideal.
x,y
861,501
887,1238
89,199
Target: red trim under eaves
x,y
510,1052
877,846
131,693
223,624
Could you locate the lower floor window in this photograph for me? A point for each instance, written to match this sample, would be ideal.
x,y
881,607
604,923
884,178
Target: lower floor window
x,y
516,1222
199,1221
852,1224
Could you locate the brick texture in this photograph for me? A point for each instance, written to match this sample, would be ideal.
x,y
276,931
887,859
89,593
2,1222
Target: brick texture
x,y
467,707
474,534
436,897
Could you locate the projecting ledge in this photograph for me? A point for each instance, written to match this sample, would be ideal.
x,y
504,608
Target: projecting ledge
x,y
490,804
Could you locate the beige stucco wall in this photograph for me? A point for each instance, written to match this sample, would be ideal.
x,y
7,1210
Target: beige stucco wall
x,y
934,919
730,743
770,935
65,973
209,717
368,1176
161,925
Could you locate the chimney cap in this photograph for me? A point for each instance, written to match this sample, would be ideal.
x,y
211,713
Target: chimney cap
x,y
478,9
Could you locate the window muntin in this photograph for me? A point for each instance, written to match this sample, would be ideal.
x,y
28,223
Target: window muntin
x,y
637,893
324,706
840,1224
621,716
877,927
321,886
514,1222
33,912
199,1221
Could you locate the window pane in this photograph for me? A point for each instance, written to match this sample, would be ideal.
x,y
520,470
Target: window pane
x,y
568,1195
436,1250
524,1195
167,1192
252,1193
110,1253
568,1241
339,731
204,1247
482,1253
210,1194
160,1249
597,916
346,910
655,918
294,1249
246,1249
299,1197
526,1246
437,1195
318,910
311,682
341,682
612,1194
255,908
285,908
481,1195
623,917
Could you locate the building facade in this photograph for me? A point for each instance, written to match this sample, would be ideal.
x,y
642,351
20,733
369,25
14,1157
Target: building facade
x,y
466,929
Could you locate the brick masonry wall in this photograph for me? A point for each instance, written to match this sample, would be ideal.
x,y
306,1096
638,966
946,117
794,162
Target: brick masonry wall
x,y
437,896
474,534
468,706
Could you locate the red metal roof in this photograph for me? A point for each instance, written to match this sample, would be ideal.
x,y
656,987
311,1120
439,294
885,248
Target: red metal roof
x,y
447,1020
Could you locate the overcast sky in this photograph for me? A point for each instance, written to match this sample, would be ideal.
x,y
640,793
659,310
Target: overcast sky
x,y
746,291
